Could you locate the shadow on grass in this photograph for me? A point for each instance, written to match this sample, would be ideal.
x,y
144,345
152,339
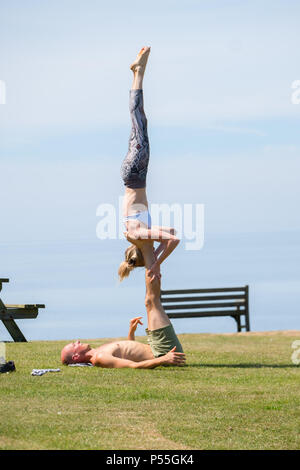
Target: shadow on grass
x,y
246,366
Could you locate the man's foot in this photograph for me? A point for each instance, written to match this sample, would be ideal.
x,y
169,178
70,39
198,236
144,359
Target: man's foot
x,y
140,62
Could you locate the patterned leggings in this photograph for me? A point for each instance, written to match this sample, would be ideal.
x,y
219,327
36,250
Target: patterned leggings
x,y
135,165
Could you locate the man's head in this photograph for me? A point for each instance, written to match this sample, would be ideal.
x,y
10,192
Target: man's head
x,y
75,352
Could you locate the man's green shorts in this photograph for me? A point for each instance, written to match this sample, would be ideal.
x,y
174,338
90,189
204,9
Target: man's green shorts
x,y
163,340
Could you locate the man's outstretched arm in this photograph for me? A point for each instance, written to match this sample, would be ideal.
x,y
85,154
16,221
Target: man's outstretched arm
x,y
108,361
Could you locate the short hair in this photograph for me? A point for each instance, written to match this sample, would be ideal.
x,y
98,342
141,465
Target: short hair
x,y
66,355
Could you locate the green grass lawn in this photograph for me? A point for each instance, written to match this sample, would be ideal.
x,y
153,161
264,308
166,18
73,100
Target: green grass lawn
x,y
237,392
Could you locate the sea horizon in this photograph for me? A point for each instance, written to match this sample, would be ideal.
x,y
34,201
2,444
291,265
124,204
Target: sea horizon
x,y
77,281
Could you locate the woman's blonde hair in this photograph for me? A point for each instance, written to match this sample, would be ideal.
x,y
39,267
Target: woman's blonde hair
x,y
133,259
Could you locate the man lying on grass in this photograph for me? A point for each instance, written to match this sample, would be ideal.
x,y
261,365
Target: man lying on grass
x,y
164,347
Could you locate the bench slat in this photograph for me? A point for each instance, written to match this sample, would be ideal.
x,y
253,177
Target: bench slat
x,y
25,306
204,297
18,314
209,305
221,313
204,291
16,311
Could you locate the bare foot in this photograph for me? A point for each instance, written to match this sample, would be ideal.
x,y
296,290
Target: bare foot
x,y
140,62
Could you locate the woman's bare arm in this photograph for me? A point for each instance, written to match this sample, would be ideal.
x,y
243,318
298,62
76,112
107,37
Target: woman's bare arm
x,y
169,246
162,244
170,230
167,249
155,234
143,235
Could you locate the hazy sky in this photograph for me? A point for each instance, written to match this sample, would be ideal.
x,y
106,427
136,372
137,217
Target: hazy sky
x,y
223,131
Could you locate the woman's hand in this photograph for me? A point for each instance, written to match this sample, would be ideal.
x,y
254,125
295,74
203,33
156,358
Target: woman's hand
x,y
130,236
154,272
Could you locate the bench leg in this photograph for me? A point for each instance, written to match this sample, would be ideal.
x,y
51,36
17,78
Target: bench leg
x,y
238,323
247,322
247,309
14,331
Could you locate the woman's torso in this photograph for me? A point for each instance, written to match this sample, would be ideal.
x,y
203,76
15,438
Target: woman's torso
x,y
135,200
135,209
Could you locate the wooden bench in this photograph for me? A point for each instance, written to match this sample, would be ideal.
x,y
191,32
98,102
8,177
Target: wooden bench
x,y
216,302
8,313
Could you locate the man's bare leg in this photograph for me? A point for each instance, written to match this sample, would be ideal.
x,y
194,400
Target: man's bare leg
x,y
157,317
160,332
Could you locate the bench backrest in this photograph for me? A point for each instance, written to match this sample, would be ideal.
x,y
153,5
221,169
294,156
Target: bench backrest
x,y
185,303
